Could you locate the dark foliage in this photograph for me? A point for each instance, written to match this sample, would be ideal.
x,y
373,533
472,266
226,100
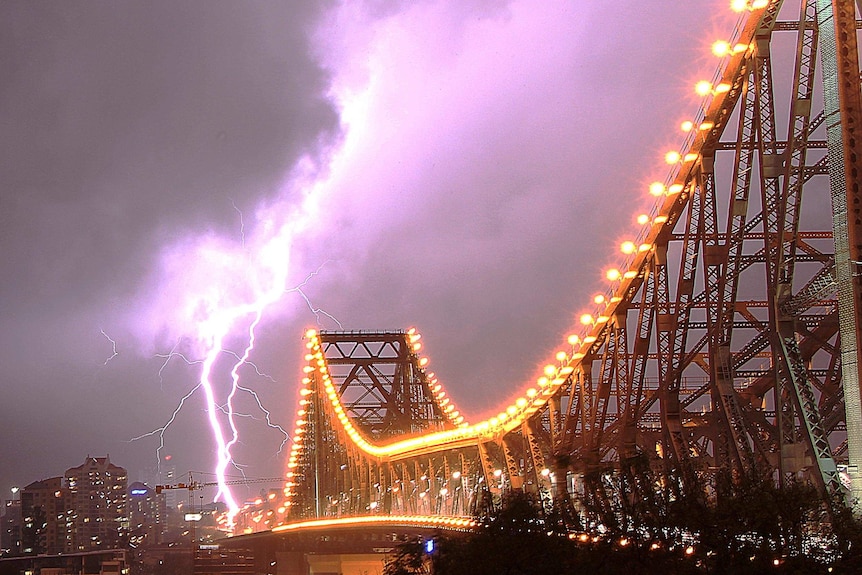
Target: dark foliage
x,y
634,523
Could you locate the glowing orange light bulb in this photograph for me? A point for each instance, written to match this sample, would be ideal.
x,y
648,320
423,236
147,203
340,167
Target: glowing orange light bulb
x,y
721,48
703,88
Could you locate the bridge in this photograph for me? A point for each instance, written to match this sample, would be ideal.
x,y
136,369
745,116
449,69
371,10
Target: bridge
x,y
727,341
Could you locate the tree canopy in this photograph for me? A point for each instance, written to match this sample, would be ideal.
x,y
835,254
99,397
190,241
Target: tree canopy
x,y
742,527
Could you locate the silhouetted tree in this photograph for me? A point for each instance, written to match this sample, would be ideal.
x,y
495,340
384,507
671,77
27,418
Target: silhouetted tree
x,y
409,559
735,526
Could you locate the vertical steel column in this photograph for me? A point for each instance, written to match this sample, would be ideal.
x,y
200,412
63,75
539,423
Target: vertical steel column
x,y
843,109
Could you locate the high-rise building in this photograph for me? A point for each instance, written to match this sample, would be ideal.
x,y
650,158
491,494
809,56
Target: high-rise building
x,y
97,513
147,514
10,528
43,513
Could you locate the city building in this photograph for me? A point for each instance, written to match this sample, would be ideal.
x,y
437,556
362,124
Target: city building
x,y
10,528
147,515
43,512
97,506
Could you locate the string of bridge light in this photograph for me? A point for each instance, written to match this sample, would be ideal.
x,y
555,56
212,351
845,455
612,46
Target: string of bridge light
x,y
513,416
665,192
317,365
451,523
439,394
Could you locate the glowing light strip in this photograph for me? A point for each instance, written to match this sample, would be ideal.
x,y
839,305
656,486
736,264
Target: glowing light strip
x,y
456,523
514,416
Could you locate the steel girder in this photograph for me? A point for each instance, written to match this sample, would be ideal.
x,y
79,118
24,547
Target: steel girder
x,y
734,366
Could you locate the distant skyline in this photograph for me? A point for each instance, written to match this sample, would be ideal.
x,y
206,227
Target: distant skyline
x,y
473,166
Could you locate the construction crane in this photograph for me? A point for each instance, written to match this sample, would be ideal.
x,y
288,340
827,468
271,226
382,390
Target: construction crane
x,y
193,485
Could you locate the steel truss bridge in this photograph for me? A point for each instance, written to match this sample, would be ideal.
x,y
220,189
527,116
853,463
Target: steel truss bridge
x,y
728,340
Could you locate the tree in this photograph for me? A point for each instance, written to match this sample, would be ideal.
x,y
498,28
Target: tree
x,y
409,559
735,526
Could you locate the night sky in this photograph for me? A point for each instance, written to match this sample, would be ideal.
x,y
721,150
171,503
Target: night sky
x,y
468,168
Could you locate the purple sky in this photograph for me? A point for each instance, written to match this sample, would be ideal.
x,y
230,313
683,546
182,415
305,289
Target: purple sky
x,y
466,168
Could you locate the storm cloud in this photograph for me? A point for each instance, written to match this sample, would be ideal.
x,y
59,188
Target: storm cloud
x,y
474,166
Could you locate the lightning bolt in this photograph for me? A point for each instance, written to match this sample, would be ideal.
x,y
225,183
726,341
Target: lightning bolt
x,y
160,431
222,416
213,294
315,310
113,347
241,223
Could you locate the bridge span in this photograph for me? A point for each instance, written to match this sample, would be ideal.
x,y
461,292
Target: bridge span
x,y
346,545
726,342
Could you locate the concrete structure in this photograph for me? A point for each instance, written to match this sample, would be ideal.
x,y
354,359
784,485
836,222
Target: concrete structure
x,y
333,547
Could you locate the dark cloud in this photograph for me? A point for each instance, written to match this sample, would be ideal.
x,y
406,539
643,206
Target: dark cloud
x,y
128,124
